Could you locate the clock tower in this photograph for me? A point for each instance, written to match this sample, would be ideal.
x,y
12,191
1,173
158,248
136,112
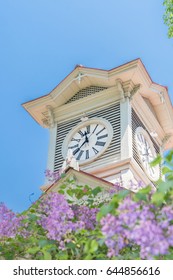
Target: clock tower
x,y
111,123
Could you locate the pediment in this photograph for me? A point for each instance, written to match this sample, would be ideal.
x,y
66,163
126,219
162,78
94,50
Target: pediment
x,y
81,178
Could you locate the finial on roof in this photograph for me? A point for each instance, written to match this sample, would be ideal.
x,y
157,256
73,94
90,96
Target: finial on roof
x,y
78,65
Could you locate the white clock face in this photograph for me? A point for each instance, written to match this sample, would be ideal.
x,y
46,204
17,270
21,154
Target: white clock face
x,y
89,139
146,153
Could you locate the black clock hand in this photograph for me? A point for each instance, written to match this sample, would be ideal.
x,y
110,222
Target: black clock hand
x,y
78,149
83,143
86,141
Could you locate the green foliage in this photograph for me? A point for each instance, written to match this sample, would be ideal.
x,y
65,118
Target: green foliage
x,y
168,16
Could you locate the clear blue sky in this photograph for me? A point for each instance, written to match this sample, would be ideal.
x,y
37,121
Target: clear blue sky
x,y
41,41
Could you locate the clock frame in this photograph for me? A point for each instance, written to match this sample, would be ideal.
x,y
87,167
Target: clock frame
x,y
88,140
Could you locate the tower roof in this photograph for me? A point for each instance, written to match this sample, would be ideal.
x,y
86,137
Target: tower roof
x,y
82,77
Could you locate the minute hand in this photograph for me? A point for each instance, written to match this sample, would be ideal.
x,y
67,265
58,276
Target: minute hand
x,y
83,143
78,149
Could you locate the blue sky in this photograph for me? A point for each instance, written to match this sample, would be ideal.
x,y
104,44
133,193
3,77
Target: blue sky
x,y
41,41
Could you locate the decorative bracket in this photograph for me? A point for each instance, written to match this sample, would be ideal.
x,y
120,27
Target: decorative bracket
x,y
120,89
48,120
134,90
129,93
165,141
162,97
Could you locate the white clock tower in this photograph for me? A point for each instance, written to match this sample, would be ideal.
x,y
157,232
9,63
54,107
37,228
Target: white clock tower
x,y
113,123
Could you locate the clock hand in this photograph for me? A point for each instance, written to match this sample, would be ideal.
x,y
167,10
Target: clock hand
x,y
83,143
86,141
86,137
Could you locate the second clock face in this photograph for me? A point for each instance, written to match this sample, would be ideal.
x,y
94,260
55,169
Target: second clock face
x,y
89,139
146,153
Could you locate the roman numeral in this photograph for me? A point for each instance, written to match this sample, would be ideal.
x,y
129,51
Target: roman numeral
x,y
74,139
99,143
95,150
79,155
76,151
100,131
88,129
81,133
102,136
72,147
140,137
95,128
87,154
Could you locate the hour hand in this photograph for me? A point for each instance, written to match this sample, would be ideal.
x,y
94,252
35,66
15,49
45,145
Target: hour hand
x,y
86,137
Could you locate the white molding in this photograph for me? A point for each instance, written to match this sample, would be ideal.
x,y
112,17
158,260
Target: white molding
x,y
51,148
90,103
126,129
148,118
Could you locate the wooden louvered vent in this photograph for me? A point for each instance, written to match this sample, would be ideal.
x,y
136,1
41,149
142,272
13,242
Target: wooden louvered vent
x,y
110,113
85,92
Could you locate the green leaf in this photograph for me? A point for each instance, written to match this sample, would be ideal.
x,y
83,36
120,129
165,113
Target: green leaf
x,y
145,190
169,156
32,217
166,170
165,186
61,192
156,161
157,198
70,192
104,210
47,255
61,256
33,250
96,190
88,257
63,187
71,245
93,246
122,194
143,194
44,242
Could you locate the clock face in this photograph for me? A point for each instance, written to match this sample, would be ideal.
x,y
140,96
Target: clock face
x,y
146,153
88,140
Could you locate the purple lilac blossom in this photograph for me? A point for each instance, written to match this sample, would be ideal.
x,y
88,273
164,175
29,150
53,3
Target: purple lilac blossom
x,y
52,176
86,215
9,222
136,223
57,218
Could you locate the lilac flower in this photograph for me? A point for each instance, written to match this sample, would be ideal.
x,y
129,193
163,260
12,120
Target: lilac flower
x,y
53,176
57,218
150,237
9,222
137,224
113,230
86,215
